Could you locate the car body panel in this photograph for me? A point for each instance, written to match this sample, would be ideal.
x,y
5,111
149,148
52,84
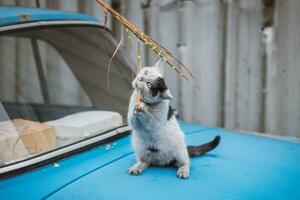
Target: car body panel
x,y
61,174
11,15
242,167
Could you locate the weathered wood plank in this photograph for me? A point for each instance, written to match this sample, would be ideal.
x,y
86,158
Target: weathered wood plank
x,y
204,50
167,34
244,66
133,12
283,94
232,14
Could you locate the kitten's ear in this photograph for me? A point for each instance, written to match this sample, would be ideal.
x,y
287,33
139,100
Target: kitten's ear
x,y
167,95
158,66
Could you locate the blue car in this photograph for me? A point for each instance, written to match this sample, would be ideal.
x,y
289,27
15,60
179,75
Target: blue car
x,y
63,131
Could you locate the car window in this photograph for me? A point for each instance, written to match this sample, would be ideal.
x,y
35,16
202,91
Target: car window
x,y
54,89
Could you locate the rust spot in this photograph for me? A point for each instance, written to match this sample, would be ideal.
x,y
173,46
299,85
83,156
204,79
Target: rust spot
x,y
24,17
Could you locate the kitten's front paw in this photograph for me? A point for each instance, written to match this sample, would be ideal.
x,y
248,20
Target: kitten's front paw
x,y
183,173
138,108
136,111
134,171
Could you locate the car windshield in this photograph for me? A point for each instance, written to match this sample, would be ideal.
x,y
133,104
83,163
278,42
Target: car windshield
x,y
54,88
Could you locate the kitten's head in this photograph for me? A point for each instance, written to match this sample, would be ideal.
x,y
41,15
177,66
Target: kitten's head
x,y
150,82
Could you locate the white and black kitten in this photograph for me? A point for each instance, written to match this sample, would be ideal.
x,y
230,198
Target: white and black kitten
x,y
156,136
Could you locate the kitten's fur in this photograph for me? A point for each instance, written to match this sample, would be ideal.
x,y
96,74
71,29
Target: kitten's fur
x,y
156,136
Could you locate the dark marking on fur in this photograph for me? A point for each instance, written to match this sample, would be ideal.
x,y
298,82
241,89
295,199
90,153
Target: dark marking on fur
x,y
153,149
158,85
195,151
170,112
173,162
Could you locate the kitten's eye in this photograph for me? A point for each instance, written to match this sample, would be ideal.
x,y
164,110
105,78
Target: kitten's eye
x,y
146,73
149,84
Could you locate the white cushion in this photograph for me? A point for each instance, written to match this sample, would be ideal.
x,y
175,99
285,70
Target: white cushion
x,y
85,124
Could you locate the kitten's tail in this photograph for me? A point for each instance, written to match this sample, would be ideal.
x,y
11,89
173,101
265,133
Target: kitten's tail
x,y
195,151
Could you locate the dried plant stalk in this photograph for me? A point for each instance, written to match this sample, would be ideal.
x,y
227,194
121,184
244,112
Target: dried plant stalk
x,y
130,42
113,55
138,68
158,49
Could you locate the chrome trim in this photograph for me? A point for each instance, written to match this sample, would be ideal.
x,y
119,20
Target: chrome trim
x,y
124,129
47,23
63,150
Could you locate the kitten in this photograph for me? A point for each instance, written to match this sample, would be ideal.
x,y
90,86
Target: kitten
x,y
156,136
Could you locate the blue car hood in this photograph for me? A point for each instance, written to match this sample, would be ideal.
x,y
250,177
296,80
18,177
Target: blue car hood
x,y
10,15
242,167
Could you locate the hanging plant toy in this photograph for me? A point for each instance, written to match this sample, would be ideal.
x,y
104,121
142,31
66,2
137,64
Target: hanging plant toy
x,y
158,49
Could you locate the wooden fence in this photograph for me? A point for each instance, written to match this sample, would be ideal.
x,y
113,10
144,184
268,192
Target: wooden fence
x,y
245,55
